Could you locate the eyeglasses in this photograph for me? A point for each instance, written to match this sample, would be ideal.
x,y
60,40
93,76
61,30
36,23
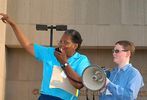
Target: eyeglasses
x,y
64,43
117,51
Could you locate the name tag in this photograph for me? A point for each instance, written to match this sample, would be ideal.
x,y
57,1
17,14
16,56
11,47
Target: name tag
x,y
63,74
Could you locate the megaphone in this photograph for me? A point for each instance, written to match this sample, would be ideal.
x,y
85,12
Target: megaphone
x,y
94,78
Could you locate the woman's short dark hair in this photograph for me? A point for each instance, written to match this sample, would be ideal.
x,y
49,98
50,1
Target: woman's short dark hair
x,y
75,36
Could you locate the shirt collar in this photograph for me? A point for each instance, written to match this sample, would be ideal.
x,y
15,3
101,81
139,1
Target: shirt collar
x,y
76,55
125,67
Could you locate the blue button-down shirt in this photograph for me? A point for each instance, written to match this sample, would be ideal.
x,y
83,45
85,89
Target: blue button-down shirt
x,y
124,84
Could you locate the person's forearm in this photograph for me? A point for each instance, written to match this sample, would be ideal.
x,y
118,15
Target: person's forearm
x,y
120,92
21,37
19,34
72,74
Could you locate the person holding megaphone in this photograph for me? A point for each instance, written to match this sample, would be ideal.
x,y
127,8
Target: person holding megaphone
x,y
125,80
64,60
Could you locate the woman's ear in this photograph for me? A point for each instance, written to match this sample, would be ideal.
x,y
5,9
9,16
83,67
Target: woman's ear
x,y
76,46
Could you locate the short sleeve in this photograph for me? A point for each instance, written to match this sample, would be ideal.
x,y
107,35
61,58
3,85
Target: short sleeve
x,y
83,64
42,52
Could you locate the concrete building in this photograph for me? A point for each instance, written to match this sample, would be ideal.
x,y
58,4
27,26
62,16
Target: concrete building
x,y
100,22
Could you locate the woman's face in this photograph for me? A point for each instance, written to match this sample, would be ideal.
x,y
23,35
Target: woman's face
x,y
119,54
67,45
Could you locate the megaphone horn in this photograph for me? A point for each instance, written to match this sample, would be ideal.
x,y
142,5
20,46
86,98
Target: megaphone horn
x,y
94,78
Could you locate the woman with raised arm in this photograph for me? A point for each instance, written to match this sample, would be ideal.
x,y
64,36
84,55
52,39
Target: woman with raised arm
x,y
65,57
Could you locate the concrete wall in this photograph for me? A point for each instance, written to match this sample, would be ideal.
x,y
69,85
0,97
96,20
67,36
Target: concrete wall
x,y
2,52
101,22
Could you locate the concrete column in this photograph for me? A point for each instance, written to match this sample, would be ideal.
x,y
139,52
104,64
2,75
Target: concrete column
x,y
2,51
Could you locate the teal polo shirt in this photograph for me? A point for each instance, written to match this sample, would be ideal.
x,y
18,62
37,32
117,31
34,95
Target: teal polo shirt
x,y
78,62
